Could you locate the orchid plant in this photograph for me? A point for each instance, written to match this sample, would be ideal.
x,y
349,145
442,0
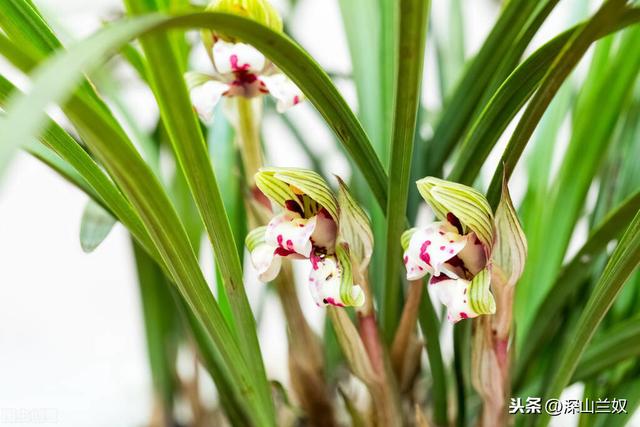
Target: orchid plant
x,y
535,295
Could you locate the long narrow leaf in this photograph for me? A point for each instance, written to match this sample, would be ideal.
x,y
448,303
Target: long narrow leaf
x,y
165,74
624,260
413,26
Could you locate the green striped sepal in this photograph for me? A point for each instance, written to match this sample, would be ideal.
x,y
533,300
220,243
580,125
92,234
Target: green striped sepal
x,y
354,226
255,238
510,253
466,203
481,299
306,188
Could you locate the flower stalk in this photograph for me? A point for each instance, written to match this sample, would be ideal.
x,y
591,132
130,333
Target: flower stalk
x,y
407,348
249,137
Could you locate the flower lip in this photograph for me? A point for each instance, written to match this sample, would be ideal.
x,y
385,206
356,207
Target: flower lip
x,y
454,294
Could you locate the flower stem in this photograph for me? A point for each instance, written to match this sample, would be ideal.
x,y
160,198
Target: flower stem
x,y
306,363
405,362
249,137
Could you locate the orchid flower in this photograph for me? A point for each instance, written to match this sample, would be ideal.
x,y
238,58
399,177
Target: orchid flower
x,y
239,69
308,227
455,250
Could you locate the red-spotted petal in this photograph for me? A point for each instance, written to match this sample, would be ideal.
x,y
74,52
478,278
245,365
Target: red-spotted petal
x,y
324,284
430,248
454,294
291,234
232,58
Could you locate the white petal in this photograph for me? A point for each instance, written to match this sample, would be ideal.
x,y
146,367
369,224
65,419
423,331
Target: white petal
x,y
473,255
291,233
430,247
324,283
324,236
266,262
283,90
205,97
453,293
230,58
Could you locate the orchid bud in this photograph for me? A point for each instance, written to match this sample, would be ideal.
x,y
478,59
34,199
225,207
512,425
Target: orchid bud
x,y
260,11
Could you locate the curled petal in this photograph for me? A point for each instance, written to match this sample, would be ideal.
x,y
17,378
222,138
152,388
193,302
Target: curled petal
x,y
232,58
205,97
480,297
290,234
263,255
266,262
324,235
283,90
430,248
473,257
454,294
331,283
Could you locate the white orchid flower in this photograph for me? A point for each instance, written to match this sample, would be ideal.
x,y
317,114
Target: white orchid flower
x,y
456,250
239,70
307,228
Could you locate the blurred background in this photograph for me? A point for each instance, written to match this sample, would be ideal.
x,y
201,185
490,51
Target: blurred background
x,y
72,344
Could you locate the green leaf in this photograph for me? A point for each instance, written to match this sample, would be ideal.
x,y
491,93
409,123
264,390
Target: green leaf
x,y
513,94
567,282
624,260
449,45
302,69
166,77
99,184
412,39
430,326
95,226
611,11
580,164
362,24
136,180
160,322
482,70
616,344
